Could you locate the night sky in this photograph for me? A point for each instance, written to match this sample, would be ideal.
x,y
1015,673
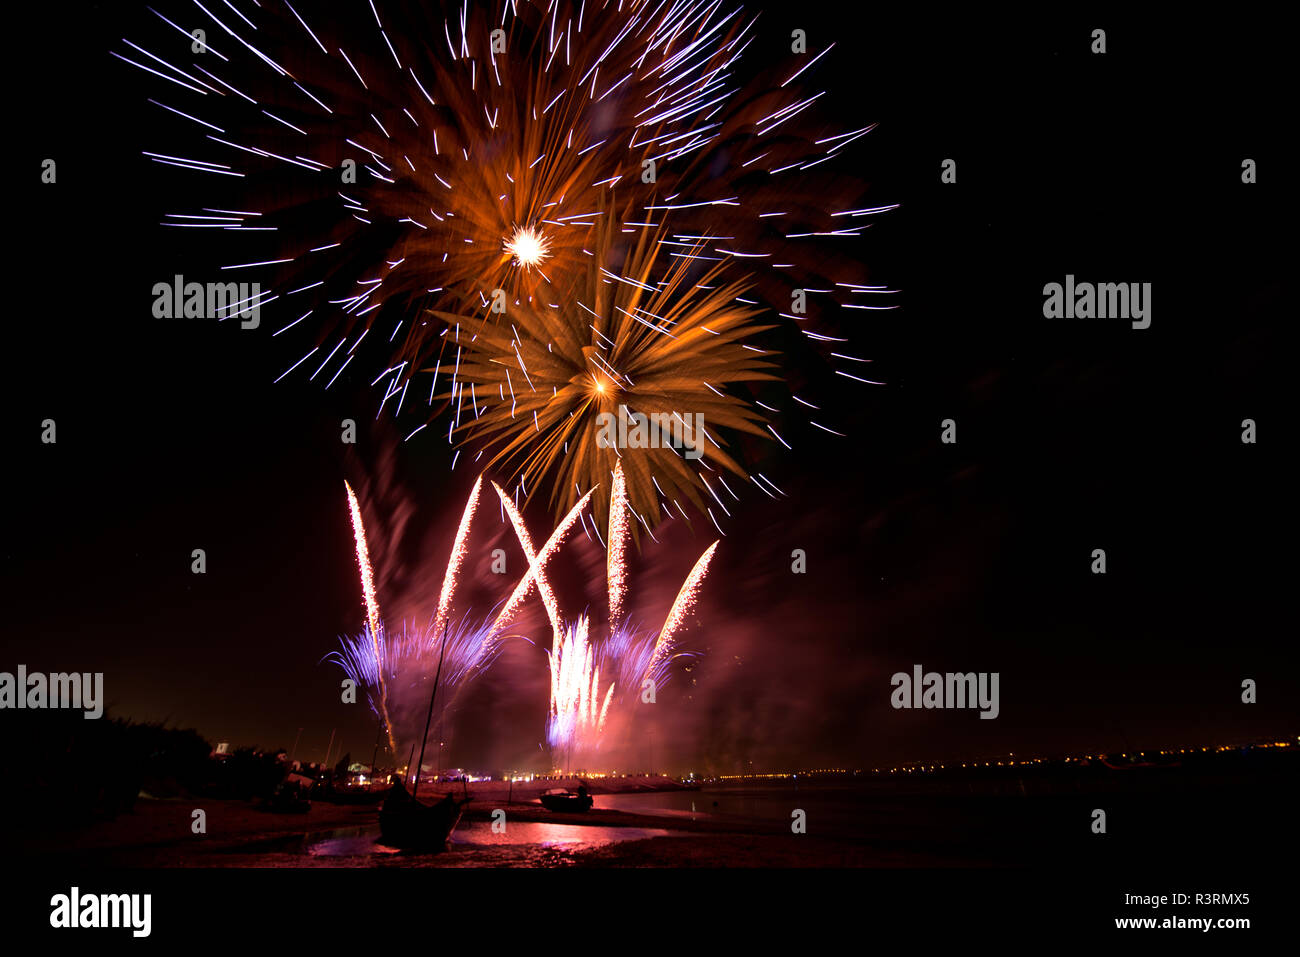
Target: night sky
x,y
1072,435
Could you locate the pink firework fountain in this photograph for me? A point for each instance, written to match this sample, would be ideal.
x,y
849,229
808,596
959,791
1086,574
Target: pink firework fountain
x,y
592,680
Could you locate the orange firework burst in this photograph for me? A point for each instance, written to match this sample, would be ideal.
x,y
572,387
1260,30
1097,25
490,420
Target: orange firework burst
x,y
377,159
481,193
552,387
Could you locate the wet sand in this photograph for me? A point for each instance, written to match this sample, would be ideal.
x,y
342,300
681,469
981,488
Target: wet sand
x,y
653,826
158,834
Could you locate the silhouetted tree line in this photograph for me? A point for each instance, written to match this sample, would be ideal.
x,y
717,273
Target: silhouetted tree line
x,y
61,769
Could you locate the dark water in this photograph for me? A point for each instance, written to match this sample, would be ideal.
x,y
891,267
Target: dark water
x,y
1152,817
837,809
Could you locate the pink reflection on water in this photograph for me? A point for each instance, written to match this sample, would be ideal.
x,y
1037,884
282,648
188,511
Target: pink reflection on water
x,y
570,836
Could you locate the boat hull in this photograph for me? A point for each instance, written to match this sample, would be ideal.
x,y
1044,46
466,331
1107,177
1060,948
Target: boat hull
x,y
567,802
412,825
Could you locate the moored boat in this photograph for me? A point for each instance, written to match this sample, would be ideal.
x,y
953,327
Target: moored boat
x,y
561,799
405,821
408,823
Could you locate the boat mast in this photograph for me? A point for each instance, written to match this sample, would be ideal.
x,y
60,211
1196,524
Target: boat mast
x,y
374,755
429,719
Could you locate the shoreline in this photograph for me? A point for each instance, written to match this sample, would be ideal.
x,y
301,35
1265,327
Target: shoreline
x,y
714,827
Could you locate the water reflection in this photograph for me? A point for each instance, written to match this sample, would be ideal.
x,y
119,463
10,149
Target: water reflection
x,y
570,837
551,835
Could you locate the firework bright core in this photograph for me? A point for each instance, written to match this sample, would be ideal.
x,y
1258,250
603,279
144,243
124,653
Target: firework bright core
x,y
528,246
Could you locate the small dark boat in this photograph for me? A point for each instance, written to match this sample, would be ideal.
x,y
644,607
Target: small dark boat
x,y
560,799
410,824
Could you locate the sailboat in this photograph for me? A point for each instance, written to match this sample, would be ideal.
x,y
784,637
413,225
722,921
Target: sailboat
x,y
405,821
410,824
562,799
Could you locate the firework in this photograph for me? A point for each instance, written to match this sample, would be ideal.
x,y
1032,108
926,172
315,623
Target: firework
x,y
578,709
535,574
589,679
372,609
476,162
627,657
682,606
457,557
404,660
529,246
615,561
386,179
363,562
390,666
536,563
547,382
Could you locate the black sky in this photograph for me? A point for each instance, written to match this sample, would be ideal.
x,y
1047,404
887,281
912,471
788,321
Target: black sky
x,y
1071,436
